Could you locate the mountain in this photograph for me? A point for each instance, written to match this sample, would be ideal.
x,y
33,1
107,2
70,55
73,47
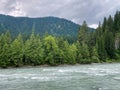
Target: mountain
x,y
52,25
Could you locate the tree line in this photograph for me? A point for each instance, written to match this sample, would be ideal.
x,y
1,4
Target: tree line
x,y
91,47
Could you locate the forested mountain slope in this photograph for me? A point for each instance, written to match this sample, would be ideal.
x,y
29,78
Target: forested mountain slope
x,y
52,25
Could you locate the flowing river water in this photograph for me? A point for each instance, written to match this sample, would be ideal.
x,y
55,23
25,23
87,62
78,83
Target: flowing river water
x,y
78,77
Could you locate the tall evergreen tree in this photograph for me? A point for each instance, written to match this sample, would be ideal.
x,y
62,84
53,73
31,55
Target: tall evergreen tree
x,y
94,55
83,33
17,51
116,21
71,54
33,50
5,56
5,41
104,24
110,44
101,48
51,50
110,24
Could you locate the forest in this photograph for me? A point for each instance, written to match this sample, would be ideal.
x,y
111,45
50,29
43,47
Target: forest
x,y
101,45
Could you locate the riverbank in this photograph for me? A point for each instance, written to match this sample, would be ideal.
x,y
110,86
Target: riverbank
x,y
46,65
61,65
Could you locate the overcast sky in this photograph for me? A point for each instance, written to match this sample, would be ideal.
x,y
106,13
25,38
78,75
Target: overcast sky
x,y
77,11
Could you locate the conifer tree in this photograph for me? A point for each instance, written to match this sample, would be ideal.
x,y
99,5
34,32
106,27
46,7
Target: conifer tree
x,y
104,24
94,55
101,48
51,50
71,54
116,21
16,49
5,41
33,50
5,56
83,33
110,44
110,24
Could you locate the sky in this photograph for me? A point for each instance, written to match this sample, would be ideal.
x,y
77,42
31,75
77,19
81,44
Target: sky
x,y
92,11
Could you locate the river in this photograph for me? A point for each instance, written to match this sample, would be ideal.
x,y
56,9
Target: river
x,y
78,77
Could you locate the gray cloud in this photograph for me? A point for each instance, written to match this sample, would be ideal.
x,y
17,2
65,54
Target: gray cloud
x,y
92,11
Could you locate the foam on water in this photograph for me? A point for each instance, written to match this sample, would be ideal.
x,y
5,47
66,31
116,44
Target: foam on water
x,y
116,78
41,78
65,71
25,77
49,70
83,77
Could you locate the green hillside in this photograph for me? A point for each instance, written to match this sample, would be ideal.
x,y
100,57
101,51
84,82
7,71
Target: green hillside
x,y
53,25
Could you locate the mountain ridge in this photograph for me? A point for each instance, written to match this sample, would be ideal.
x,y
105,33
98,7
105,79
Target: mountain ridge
x,y
53,25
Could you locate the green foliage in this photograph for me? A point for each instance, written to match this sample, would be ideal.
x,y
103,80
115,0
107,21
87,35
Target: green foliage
x,y
110,44
71,54
33,50
102,45
5,41
85,51
107,39
16,49
63,47
83,54
101,48
5,56
94,55
51,50
117,22
83,33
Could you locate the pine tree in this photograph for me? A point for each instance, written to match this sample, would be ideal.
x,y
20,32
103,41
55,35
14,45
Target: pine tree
x,y
83,33
16,49
34,53
63,47
71,54
79,55
101,48
94,55
5,56
83,54
51,50
85,51
116,22
110,24
104,24
110,44
5,41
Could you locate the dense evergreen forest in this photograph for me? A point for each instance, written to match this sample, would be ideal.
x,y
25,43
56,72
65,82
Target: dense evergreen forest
x,y
102,45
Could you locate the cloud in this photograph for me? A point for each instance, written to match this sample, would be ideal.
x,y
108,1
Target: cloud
x,y
13,8
93,26
17,10
92,11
